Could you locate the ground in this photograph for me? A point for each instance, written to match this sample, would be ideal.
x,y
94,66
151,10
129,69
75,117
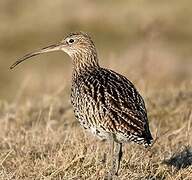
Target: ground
x,y
40,139
147,41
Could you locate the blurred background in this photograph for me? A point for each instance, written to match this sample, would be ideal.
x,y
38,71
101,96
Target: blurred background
x,y
149,41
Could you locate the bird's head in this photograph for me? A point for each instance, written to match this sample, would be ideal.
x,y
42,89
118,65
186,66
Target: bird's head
x,y
78,46
77,43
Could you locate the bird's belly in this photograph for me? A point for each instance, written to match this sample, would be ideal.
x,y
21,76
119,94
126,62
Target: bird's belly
x,y
90,125
87,115
99,133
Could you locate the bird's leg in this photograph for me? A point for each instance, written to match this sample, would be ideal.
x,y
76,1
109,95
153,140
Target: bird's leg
x,y
103,158
116,159
111,172
112,158
118,156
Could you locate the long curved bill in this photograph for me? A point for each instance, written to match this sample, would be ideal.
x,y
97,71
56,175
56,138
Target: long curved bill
x,y
54,47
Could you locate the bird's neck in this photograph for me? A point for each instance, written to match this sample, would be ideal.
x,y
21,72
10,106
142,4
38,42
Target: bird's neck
x,y
84,63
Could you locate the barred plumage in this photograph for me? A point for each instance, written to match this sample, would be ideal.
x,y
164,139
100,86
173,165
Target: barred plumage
x,y
104,102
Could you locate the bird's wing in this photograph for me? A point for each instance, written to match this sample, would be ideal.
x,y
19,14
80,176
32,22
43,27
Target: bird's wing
x,y
125,104
121,107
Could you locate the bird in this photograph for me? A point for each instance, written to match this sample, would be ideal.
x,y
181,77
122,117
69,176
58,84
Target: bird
x,y
104,102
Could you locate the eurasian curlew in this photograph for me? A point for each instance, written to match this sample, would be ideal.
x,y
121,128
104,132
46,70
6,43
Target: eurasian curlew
x,y
104,102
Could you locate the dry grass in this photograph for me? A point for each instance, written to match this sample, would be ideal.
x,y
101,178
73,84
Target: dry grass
x,y
148,41
41,140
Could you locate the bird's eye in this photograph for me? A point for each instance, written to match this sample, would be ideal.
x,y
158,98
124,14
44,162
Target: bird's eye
x,y
71,41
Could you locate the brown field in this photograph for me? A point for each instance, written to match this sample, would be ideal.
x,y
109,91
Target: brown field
x,y
148,41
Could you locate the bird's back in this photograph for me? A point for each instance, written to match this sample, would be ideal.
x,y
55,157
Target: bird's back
x,y
108,104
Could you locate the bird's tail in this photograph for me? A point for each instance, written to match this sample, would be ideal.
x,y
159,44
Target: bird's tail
x,y
148,139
